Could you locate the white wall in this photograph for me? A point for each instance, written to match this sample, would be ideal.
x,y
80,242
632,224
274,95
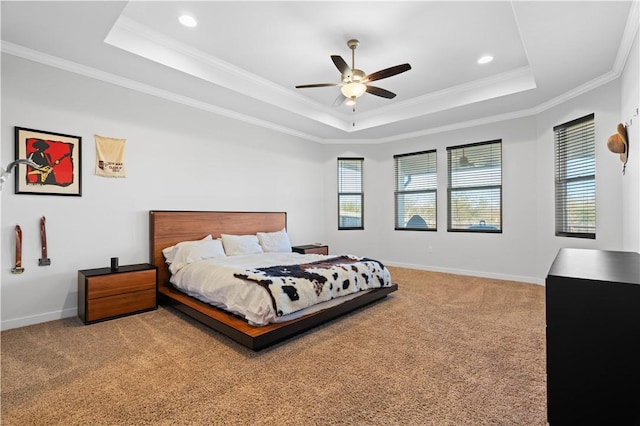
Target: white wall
x,y
527,246
605,103
181,158
630,100
177,158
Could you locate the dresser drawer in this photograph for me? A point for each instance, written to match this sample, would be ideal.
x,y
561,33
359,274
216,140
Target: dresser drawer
x,y
121,304
110,285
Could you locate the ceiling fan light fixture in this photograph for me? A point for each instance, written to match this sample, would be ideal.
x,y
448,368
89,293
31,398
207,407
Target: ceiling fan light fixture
x,y
464,161
353,90
357,75
355,81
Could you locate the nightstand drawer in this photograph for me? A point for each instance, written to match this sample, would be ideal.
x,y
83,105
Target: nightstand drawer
x,y
104,293
317,250
121,304
110,285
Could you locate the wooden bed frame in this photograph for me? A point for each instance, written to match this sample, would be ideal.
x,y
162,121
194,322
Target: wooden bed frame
x,y
167,228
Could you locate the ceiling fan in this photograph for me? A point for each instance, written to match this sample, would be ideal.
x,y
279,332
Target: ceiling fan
x,y
355,82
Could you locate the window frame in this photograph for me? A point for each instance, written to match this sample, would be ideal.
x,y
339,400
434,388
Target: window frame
x,y
397,192
451,190
351,194
560,208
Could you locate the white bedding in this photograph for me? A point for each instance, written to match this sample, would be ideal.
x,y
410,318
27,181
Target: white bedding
x,y
212,281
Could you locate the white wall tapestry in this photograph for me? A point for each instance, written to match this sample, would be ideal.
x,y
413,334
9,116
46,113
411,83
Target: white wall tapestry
x,y
110,157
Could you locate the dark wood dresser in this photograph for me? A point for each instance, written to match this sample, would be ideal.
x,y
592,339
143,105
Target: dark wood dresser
x,y
104,293
593,338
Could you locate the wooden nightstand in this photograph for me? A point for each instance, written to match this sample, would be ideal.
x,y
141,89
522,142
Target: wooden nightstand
x,y
311,248
105,294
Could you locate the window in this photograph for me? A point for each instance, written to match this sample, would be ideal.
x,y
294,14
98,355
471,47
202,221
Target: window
x,y
576,178
474,192
415,191
350,194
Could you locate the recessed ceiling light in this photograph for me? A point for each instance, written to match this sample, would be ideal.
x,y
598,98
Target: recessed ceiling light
x,y
485,59
188,21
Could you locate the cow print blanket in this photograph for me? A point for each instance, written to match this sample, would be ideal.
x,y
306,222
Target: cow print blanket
x,y
295,287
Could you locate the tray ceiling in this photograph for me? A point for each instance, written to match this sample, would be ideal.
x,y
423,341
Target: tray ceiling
x,y
244,59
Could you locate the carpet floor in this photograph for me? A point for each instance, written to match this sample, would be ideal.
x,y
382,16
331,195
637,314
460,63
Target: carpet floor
x,y
442,350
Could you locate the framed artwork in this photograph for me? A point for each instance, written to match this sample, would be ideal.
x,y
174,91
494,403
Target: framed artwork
x,y
58,157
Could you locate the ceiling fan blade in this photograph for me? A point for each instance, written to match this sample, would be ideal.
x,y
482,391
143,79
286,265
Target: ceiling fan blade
x,y
341,99
380,92
306,86
340,64
387,72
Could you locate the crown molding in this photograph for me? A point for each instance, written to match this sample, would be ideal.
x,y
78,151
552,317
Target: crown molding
x,y
587,87
436,130
135,38
73,67
624,50
628,36
131,36
498,85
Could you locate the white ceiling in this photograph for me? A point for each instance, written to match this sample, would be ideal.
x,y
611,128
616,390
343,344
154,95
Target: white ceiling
x,y
244,59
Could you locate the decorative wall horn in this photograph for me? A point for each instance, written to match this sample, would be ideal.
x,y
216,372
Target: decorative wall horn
x,y
5,173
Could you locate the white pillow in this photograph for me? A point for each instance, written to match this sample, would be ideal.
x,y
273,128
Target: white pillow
x,y
190,253
275,241
170,252
240,244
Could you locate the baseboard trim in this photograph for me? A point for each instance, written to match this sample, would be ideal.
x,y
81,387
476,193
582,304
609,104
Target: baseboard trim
x,y
481,274
37,319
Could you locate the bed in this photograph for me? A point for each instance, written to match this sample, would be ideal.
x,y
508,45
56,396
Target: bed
x,y
168,228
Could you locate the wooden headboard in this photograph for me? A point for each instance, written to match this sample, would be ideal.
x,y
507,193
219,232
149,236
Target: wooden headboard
x,y
167,228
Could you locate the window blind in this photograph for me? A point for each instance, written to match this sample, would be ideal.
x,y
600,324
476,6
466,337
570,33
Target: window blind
x,y
575,178
474,191
416,183
350,193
